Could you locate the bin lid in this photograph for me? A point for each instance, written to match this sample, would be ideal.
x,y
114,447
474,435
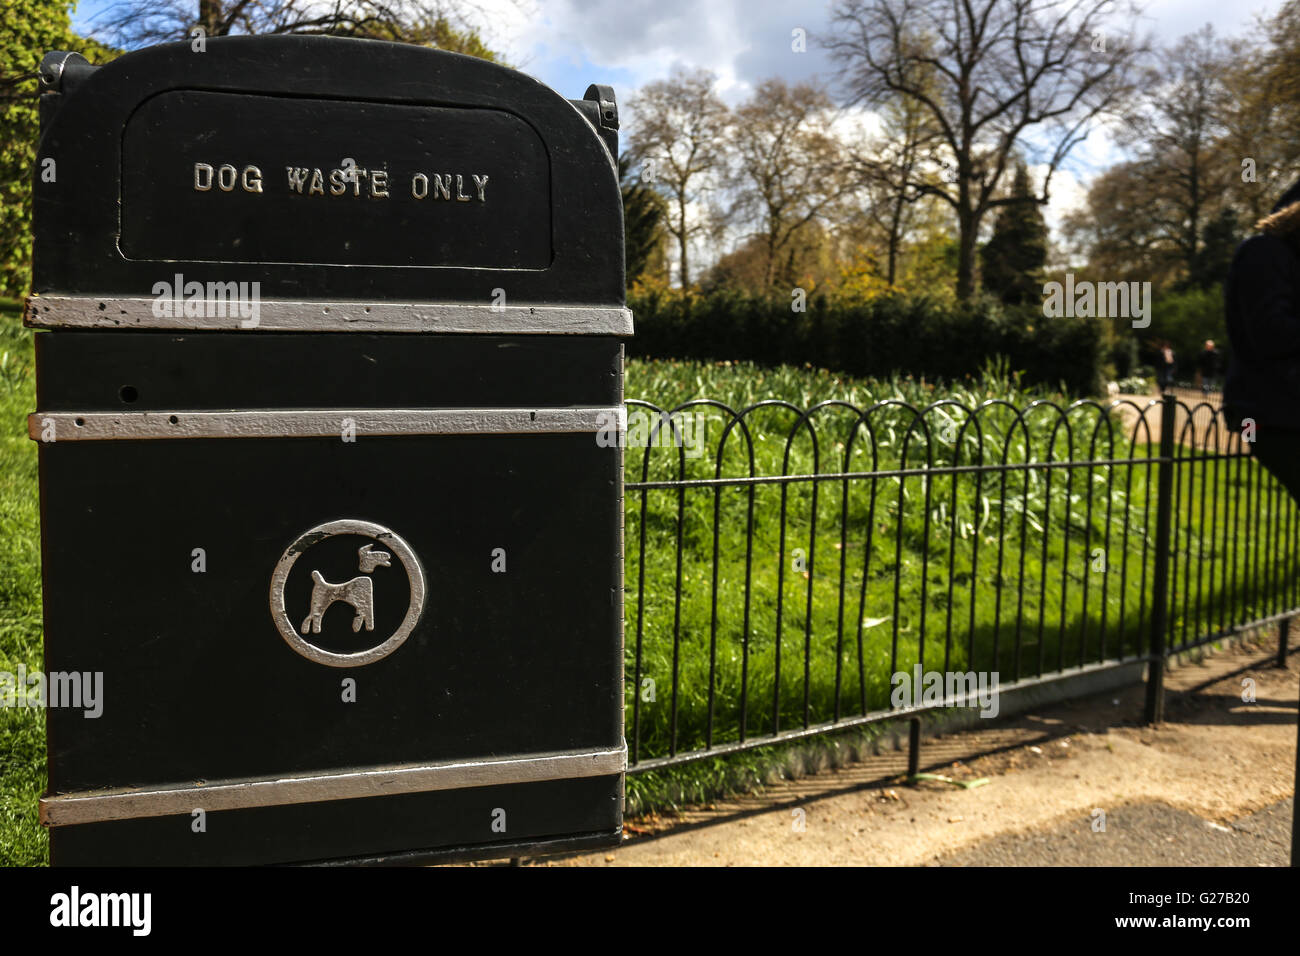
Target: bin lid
x,y
346,184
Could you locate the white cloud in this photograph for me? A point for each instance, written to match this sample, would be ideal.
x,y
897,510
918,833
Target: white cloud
x,y
742,41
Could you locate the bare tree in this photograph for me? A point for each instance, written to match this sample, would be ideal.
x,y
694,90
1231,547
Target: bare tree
x,y
1008,76
891,170
442,23
1176,132
679,141
790,170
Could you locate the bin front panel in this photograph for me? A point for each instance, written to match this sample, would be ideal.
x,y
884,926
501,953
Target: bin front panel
x,y
200,685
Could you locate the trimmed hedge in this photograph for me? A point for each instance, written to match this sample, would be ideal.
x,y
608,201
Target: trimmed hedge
x,y
912,335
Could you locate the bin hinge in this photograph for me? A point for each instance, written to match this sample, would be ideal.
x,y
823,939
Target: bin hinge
x,y
600,108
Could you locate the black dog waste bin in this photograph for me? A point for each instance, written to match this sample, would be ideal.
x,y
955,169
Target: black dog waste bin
x,y
331,329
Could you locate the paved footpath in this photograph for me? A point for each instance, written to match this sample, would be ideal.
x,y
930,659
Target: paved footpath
x,y
1210,786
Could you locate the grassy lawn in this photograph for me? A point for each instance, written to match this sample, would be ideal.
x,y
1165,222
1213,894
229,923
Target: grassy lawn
x,y
22,731
1024,574
846,610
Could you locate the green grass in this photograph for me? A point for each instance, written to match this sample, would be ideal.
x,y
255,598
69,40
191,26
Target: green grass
x,y
22,731
1093,545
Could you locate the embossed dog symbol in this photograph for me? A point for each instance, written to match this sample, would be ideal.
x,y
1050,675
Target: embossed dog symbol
x,y
372,559
358,592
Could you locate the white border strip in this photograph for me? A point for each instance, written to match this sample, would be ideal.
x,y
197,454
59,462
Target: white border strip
x,y
127,804
279,315
318,423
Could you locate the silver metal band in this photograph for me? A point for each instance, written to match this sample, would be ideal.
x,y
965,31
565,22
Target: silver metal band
x,y
279,315
319,423
130,804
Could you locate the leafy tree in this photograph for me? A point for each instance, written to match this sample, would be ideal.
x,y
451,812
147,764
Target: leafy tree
x,y
1116,231
28,30
1261,119
808,263
1218,245
1014,257
1282,78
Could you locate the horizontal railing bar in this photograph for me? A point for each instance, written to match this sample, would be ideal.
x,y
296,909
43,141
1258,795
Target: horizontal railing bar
x,y
912,472
1232,631
787,736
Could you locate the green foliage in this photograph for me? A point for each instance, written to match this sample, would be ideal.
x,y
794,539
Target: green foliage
x,y
1186,318
1219,241
28,30
924,336
22,731
1012,260
437,32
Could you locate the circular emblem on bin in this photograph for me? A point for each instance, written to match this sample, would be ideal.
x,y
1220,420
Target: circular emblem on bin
x,y
348,566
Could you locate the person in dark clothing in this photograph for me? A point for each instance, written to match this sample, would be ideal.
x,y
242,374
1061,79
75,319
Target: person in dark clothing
x,y
1207,363
1262,303
1263,386
1165,363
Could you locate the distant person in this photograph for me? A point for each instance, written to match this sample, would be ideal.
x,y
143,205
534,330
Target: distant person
x,y
1166,367
1207,363
1261,300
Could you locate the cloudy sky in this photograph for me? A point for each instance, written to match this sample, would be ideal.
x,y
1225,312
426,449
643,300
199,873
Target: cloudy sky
x,y
625,43
569,44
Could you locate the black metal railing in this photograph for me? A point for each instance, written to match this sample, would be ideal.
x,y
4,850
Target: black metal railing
x,y
785,566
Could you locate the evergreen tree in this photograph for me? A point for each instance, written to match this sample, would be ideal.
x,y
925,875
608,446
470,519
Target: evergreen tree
x,y
643,212
1218,244
1014,257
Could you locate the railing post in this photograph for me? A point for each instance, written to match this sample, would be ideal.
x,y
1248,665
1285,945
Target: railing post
x,y
1283,636
1155,709
913,747
1295,807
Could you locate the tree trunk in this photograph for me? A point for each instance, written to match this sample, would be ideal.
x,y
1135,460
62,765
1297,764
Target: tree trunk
x,y
895,227
210,17
681,241
966,226
769,266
